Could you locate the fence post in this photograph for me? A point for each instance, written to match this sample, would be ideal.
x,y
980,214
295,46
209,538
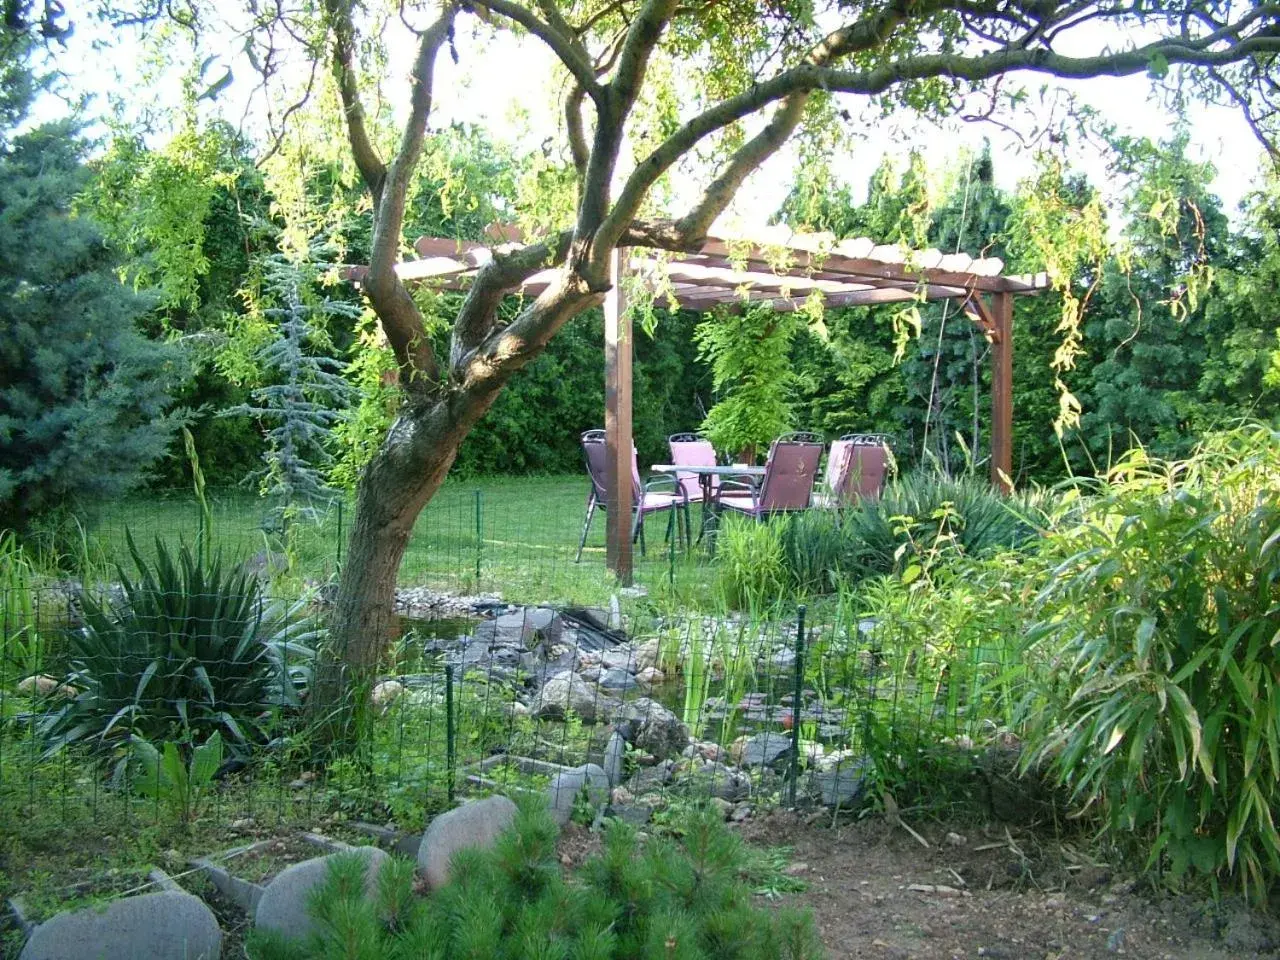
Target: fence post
x,y
796,691
339,556
479,536
450,731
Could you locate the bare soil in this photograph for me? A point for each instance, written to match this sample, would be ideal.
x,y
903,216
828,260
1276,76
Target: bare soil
x,y
877,892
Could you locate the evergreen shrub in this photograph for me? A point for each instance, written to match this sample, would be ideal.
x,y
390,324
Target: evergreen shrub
x,y
667,899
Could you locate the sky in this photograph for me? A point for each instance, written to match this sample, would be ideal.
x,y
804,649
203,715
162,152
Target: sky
x,y
515,103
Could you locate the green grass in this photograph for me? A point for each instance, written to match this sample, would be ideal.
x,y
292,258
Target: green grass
x,y
529,529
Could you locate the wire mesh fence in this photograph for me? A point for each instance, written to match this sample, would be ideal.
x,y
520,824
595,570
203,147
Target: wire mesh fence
x,y
110,703
516,538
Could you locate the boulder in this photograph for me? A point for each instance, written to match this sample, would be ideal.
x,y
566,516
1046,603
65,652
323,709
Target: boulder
x,y
615,752
844,786
618,680
566,786
43,685
521,628
567,691
650,677
647,655
651,779
282,908
152,926
476,824
386,693
653,728
767,749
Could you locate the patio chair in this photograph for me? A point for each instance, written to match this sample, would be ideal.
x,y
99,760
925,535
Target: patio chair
x,y
645,498
856,468
787,485
689,449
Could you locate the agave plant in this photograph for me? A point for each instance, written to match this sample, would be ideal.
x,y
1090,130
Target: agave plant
x,y
190,648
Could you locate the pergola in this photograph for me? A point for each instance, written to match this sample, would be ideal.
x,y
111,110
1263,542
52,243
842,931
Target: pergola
x,y
782,271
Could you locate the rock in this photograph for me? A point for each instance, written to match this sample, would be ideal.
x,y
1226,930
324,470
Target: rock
x,y
567,691
651,779
650,726
522,628
617,680
650,677
646,655
741,812
152,926
43,685
515,709
636,814
721,806
621,658
724,782
283,905
844,787
386,693
477,823
615,752
766,749
615,613
565,787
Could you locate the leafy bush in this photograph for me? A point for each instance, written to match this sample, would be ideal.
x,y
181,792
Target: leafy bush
x,y
666,898
1161,707
192,648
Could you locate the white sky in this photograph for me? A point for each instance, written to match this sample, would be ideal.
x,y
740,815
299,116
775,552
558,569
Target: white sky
x,y
506,85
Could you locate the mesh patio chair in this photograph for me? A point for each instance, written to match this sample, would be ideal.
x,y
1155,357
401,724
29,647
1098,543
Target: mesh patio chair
x,y
689,449
645,498
787,485
856,468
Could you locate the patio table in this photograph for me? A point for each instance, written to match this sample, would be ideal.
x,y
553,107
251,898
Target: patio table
x,y
704,475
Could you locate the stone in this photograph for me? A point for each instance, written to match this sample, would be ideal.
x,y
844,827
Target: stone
x,y
43,685
386,693
650,677
522,628
651,779
845,786
151,926
721,806
568,691
617,680
476,824
766,749
283,905
651,727
621,658
566,786
647,653
615,752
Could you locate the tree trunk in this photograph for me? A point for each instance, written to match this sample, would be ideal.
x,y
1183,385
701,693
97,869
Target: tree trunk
x,y
403,476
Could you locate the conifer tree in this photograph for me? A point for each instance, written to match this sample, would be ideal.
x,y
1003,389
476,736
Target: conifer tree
x,y
85,398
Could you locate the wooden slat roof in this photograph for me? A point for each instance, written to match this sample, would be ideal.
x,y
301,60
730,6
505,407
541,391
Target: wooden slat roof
x,y
774,266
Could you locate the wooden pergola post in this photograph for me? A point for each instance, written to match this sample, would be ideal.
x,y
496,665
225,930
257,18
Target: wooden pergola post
x,y
1001,311
617,421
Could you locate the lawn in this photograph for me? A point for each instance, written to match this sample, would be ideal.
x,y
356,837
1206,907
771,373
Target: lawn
x,y
528,536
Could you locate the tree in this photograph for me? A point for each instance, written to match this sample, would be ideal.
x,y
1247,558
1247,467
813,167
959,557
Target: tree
x,y
84,396
304,395
736,81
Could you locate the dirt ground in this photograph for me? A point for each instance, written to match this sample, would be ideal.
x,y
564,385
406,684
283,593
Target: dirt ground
x,y
877,892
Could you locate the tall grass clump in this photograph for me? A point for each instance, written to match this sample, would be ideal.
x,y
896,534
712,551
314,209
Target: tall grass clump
x,y
751,568
1159,707
980,520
